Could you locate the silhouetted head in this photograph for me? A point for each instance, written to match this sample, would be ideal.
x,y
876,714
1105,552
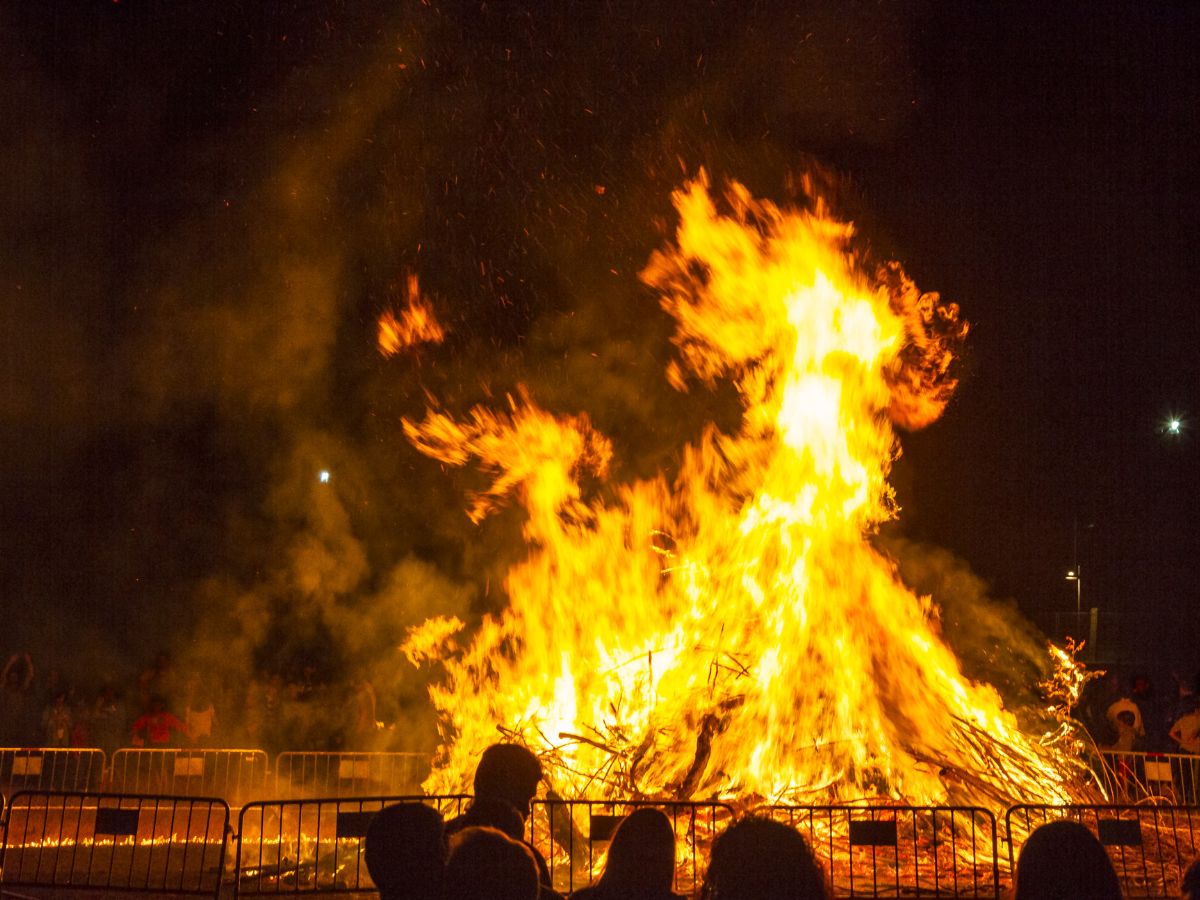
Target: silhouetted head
x,y
641,857
486,864
1125,717
508,772
405,852
492,813
757,859
1191,882
1064,861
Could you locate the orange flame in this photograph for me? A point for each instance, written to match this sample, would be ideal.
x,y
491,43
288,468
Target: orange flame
x,y
416,323
733,633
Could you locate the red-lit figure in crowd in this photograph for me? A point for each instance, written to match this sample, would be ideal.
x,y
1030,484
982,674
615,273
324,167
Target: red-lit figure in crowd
x,y
154,728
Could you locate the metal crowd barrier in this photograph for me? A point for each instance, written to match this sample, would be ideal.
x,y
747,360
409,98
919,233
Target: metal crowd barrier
x,y
51,769
349,774
126,844
312,846
1130,777
1150,846
234,775
901,851
573,836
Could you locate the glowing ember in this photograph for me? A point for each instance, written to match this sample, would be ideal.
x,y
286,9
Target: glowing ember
x,y
416,323
733,633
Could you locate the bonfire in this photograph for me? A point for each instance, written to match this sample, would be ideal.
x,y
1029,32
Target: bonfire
x,y
731,632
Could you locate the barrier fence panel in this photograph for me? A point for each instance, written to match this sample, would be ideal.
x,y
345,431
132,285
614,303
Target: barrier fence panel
x,y
51,769
1150,846
312,846
573,835
125,843
901,851
349,774
233,775
1130,777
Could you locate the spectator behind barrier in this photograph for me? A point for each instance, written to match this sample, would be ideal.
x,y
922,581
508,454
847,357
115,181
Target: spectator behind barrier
x,y
503,816
487,813
758,859
485,864
641,861
406,852
1191,882
508,772
1064,861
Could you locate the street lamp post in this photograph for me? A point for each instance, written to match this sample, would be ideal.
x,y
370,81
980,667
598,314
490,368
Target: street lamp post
x,y
1076,576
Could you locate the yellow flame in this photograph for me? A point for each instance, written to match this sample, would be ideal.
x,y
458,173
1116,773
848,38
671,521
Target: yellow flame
x,y
416,323
732,632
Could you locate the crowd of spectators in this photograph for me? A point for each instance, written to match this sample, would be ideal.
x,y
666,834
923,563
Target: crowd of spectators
x,y
165,706
412,854
1132,715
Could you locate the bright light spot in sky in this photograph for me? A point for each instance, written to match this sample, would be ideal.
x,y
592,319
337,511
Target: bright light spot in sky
x,y
324,476
1173,426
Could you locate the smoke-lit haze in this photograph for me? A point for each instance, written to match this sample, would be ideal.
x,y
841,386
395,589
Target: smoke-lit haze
x,y
206,207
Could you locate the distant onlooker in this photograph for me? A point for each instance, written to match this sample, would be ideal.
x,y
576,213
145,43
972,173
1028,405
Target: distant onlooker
x,y
108,721
641,861
405,852
758,859
1127,733
1064,861
485,864
199,713
56,722
362,726
157,680
155,727
19,711
1125,703
1143,694
1186,732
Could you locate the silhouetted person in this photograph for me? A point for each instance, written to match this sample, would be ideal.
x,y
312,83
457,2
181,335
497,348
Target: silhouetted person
x,y
1191,882
405,852
486,864
485,812
758,859
506,778
641,861
508,772
1064,861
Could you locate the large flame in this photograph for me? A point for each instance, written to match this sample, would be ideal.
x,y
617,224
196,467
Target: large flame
x,y
733,632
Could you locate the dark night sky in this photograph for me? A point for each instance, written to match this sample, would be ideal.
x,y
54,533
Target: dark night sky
x,y
207,204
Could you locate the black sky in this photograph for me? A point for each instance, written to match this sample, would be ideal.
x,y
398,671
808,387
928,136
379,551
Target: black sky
x,y
207,204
